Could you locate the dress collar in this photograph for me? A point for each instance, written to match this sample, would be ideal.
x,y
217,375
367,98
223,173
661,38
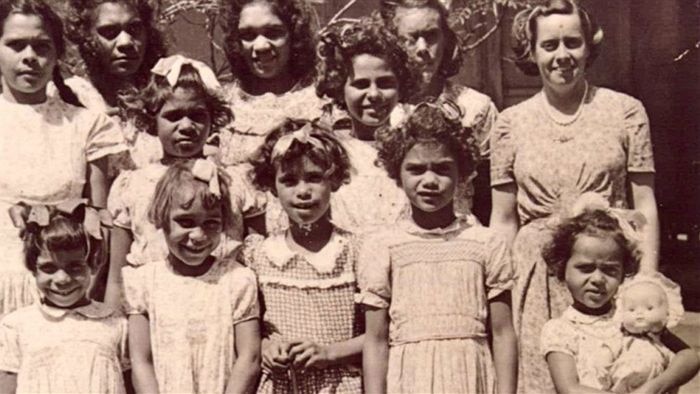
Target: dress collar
x,y
575,316
460,223
93,310
324,261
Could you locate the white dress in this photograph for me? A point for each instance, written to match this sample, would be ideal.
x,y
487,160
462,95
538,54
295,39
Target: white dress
x,y
52,350
192,321
44,154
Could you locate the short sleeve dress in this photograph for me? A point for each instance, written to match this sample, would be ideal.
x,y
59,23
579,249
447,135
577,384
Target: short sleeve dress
x,y
551,165
44,154
436,285
308,295
52,350
192,321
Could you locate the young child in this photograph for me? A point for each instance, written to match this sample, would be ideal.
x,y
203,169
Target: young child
x,y
593,251
311,327
51,149
193,324
66,343
435,286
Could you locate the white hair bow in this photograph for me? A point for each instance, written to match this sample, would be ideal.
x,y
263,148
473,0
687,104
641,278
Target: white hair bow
x,y
302,136
206,171
170,67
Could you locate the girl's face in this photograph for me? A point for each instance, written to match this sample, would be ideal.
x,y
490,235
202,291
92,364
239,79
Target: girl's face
x,y
304,191
264,40
594,271
421,25
560,50
121,38
429,176
193,230
371,90
183,124
27,58
63,277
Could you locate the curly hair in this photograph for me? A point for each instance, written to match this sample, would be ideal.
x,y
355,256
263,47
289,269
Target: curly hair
x,y
81,17
143,106
428,122
333,158
452,58
524,32
597,223
340,43
296,15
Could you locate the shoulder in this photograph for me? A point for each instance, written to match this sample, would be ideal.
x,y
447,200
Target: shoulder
x,y
27,315
469,97
522,109
88,95
607,99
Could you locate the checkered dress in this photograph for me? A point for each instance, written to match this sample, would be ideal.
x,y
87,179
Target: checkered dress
x,y
309,296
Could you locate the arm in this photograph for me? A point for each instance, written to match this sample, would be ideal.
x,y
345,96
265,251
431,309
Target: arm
x,y
246,369
120,243
142,371
505,345
8,382
98,184
683,367
504,215
642,187
309,354
375,352
562,368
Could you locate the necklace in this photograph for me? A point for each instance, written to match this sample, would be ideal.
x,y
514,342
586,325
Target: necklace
x,y
564,120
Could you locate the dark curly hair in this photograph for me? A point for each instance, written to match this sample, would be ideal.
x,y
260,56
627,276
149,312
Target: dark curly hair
x,y
143,106
597,223
81,17
524,32
296,15
341,42
333,158
439,122
452,57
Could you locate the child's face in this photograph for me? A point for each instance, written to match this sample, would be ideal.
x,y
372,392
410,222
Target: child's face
x,y
27,58
304,191
183,124
194,230
594,271
63,277
264,40
429,176
644,308
371,90
121,38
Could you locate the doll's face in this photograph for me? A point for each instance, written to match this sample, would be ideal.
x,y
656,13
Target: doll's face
x,y
644,308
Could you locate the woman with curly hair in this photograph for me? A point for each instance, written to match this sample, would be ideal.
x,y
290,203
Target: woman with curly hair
x,y
568,139
270,48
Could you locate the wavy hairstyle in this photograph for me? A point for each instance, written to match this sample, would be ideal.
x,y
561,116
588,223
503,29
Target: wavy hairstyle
x,y
429,122
524,32
340,43
296,15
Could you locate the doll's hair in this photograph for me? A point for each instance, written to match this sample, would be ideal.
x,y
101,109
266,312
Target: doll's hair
x,y
296,16
429,122
54,27
524,32
340,43
143,106
178,178
331,156
596,223
452,59
81,16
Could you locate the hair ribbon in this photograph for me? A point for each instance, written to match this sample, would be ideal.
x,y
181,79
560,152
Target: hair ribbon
x,y
302,136
93,220
171,66
206,171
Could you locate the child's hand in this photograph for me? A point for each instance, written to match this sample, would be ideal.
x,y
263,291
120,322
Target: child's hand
x,y
306,354
275,355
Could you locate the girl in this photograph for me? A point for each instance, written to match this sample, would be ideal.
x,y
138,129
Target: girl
x,y
593,252
311,328
436,286
50,149
66,343
180,106
192,317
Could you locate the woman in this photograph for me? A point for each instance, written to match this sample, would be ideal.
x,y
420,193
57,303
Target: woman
x,y
568,139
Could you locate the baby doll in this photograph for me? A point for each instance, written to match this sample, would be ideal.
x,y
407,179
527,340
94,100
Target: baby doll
x,y
647,305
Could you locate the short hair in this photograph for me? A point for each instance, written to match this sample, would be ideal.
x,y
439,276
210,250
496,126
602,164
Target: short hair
x,y
143,106
524,32
452,57
439,122
340,43
177,178
296,15
597,223
333,158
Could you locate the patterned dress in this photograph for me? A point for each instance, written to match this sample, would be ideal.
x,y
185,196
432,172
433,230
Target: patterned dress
x,y
55,350
192,321
552,165
309,295
436,285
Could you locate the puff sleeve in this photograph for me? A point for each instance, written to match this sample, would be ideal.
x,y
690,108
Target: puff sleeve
x,y
134,289
10,352
558,336
502,151
104,136
118,201
244,295
640,157
500,274
374,273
